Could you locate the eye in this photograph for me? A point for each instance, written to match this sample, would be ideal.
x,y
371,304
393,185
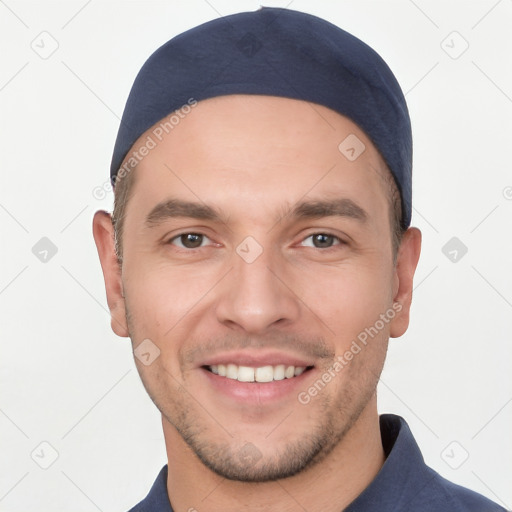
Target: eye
x,y
321,241
190,240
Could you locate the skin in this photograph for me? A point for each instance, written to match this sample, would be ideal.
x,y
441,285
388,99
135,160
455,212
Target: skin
x,y
253,159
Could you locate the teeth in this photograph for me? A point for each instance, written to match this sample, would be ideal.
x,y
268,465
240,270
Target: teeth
x,y
232,371
260,374
279,372
245,374
264,374
289,372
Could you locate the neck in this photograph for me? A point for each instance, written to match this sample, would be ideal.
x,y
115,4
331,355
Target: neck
x,y
329,485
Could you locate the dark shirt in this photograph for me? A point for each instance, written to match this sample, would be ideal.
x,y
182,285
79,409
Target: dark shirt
x,y
404,483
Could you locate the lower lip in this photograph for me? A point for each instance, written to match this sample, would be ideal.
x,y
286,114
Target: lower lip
x,y
257,392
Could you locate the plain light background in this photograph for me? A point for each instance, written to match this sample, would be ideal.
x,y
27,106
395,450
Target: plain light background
x,y
67,381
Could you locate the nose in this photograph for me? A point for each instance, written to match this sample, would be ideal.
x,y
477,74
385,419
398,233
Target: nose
x,y
257,296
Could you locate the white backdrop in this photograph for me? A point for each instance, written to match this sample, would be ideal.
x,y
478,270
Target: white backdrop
x,y
68,382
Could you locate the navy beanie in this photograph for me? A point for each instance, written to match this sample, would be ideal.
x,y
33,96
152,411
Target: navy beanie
x,y
277,52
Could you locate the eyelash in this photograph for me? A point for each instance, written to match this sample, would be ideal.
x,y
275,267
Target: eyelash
x,y
337,239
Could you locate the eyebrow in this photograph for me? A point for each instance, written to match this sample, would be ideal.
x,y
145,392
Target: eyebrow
x,y
342,207
173,208
176,208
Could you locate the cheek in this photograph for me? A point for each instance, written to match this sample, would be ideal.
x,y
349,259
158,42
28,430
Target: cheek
x,y
348,299
161,296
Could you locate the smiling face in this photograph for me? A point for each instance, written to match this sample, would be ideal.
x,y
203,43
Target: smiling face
x,y
255,258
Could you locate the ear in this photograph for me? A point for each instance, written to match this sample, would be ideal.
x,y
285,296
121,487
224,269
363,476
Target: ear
x,y
407,260
103,232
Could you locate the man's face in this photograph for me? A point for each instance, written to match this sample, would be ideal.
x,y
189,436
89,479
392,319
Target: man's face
x,y
251,241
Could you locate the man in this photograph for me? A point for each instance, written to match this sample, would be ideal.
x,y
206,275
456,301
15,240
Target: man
x,y
259,257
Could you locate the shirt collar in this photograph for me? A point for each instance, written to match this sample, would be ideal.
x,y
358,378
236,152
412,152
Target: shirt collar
x,y
157,500
404,473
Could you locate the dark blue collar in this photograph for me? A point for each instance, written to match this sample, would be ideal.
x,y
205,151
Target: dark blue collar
x,y
404,482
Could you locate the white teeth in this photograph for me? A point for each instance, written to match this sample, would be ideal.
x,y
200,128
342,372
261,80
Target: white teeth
x,y
264,374
232,371
289,372
261,374
279,372
245,374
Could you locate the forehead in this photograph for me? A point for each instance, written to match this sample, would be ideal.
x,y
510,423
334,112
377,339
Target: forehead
x,y
249,151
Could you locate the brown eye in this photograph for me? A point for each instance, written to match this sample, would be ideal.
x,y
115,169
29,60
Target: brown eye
x,y
189,240
321,241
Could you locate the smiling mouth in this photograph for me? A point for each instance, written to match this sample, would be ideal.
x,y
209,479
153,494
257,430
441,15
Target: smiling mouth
x,y
260,374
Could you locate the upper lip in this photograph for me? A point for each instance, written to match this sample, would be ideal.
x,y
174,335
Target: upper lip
x,y
256,359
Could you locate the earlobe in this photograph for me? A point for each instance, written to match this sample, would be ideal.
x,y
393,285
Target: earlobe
x,y
103,232
407,260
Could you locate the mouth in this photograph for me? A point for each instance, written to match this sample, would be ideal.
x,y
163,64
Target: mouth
x,y
246,379
260,374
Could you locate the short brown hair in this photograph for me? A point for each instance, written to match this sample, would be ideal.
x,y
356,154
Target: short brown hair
x,y
123,190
